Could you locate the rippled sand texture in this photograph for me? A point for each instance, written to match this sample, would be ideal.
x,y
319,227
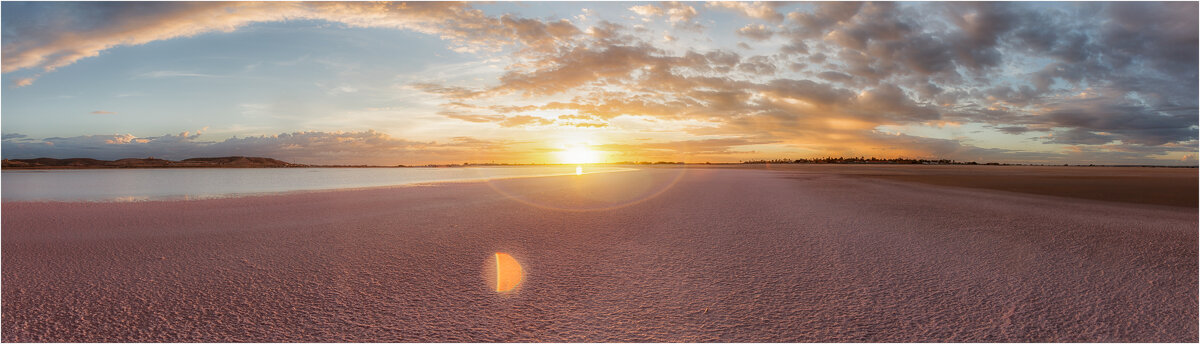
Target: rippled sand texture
x,y
721,255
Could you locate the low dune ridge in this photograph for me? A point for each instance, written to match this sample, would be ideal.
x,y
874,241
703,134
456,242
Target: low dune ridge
x,y
675,254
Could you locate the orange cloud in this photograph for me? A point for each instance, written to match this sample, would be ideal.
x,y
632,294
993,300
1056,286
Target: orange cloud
x,y
523,120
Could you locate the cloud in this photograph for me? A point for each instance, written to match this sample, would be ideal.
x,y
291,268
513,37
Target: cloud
x,y
473,117
22,82
102,112
1079,136
539,36
524,120
1104,78
757,9
1130,124
686,150
891,69
48,36
578,67
1164,34
1015,130
676,12
501,120
760,65
647,10
583,121
835,76
824,15
450,92
755,32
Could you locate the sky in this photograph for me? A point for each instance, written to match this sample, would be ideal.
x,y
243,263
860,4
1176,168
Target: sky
x,y
552,82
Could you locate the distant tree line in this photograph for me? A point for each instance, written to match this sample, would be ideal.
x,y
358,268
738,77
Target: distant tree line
x,y
650,163
863,160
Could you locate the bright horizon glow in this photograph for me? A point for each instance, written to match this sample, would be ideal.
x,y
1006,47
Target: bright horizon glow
x,y
579,154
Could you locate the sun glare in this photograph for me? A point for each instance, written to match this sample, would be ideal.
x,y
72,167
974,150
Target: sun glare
x,y
578,155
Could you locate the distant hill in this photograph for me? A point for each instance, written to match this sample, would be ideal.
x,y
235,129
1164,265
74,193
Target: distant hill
x,y
81,163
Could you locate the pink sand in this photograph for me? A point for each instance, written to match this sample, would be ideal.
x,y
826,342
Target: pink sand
x,y
720,255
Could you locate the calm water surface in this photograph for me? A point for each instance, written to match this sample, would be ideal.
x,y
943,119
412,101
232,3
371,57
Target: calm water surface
x,y
192,183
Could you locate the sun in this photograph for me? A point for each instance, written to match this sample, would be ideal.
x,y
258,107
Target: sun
x,y
579,154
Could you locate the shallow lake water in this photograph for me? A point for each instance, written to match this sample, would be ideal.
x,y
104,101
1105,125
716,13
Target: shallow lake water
x,y
196,183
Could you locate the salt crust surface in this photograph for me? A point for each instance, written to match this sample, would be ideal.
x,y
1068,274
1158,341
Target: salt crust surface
x,y
718,255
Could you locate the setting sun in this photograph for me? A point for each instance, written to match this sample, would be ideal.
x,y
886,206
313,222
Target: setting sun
x,y
578,155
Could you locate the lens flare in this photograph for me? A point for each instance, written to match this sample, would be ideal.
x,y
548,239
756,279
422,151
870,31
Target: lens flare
x,y
508,272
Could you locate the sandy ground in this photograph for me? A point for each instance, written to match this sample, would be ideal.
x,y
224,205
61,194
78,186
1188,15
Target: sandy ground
x,y
1160,186
654,255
